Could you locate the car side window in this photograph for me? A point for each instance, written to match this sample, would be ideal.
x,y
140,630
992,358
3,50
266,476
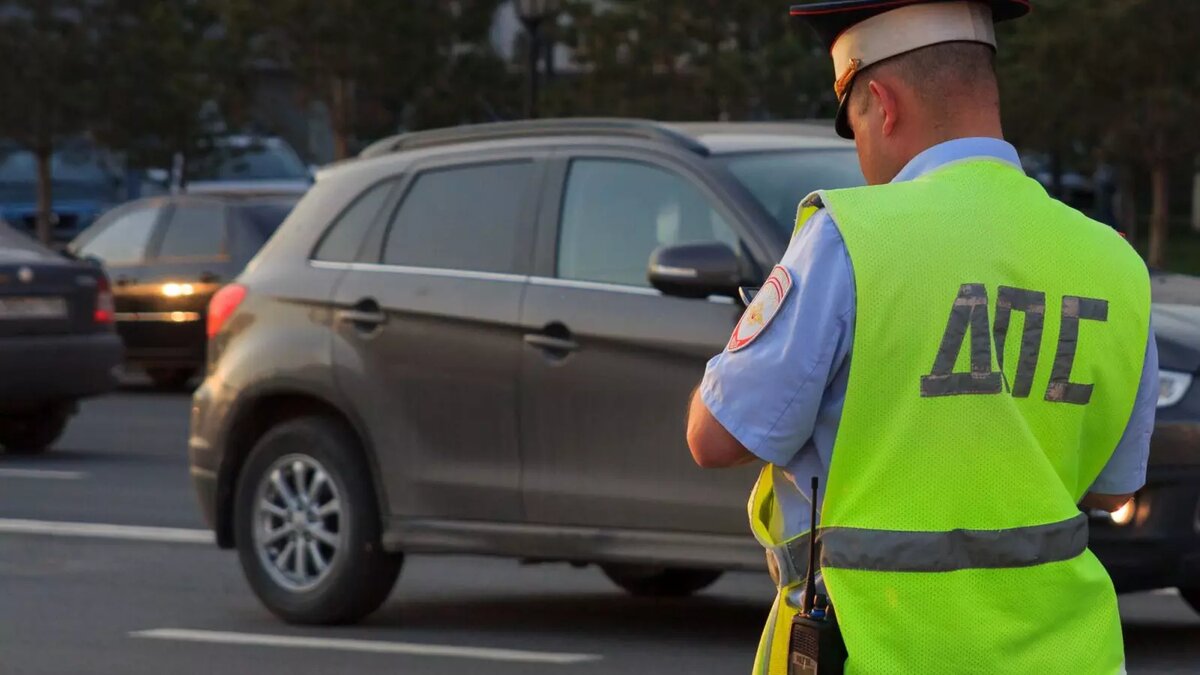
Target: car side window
x,y
124,240
344,238
464,218
195,231
615,213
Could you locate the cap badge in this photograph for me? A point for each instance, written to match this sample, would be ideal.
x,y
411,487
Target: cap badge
x,y
843,82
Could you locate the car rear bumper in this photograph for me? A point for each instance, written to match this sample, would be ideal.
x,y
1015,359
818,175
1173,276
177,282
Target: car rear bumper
x,y
43,369
153,339
210,408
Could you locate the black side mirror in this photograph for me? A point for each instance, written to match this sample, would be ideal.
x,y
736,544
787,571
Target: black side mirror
x,y
695,270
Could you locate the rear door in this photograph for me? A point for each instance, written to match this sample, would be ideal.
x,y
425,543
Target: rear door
x,y
427,341
609,361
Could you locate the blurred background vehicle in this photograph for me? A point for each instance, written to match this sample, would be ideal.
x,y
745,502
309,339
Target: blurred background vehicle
x,y
1154,541
57,343
167,257
83,184
247,164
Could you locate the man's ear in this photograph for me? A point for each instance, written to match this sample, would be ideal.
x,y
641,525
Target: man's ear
x,y
885,98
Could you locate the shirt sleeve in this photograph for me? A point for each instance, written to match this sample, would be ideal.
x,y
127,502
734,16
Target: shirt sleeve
x,y
768,393
1125,472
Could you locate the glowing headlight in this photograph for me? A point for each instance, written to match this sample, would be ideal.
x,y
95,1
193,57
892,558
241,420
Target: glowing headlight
x,y
1124,515
177,290
1172,387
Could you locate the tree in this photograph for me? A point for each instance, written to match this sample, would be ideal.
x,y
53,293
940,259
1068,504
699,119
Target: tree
x,y
1116,75
169,73
728,59
402,60
46,84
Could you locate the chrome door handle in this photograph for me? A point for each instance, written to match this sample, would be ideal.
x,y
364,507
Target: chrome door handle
x,y
551,344
361,317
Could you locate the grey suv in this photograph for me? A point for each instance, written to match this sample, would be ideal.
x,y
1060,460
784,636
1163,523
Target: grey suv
x,y
481,340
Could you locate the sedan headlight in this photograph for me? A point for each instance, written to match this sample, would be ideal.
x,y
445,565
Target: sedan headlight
x,y
1172,387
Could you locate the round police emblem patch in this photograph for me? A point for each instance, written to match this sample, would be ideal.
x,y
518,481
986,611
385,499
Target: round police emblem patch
x,y
764,308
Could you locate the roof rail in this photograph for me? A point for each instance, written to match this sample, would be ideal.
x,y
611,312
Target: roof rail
x,y
580,126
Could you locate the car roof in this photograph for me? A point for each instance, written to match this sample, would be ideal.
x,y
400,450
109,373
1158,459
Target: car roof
x,y
700,138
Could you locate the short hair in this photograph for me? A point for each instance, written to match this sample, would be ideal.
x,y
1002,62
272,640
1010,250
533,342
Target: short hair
x,y
941,74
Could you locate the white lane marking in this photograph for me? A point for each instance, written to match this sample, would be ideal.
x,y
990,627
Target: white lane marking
x,y
375,646
53,528
1165,591
41,473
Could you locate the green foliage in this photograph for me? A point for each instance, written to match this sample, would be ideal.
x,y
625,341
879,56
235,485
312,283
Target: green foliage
x,y
379,64
674,59
46,77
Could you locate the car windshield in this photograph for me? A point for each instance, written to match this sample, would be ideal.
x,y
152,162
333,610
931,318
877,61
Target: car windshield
x,y
780,180
254,162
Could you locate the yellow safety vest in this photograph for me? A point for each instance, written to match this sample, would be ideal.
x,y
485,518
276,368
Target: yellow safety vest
x,y
999,342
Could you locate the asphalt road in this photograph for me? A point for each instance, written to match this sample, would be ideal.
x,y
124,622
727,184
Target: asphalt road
x,y
100,599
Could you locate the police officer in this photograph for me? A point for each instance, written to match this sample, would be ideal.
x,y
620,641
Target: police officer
x,y
962,361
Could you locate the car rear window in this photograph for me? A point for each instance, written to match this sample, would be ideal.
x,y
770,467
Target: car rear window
x,y
465,218
265,218
122,241
195,231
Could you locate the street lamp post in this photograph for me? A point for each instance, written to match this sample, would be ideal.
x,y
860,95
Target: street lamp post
x,y
532,14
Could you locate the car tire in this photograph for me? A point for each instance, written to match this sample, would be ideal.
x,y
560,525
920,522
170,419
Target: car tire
x,y
171,378
33,434
1192,597
660,582
358,574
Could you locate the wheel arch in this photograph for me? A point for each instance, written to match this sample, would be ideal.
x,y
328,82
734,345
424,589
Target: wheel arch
x,y
260,413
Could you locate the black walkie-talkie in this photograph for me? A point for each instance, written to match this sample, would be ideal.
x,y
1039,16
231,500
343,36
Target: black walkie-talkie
x,y
816,646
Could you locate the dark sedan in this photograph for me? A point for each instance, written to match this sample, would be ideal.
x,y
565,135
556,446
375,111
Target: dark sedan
x,y
57,343
167,256
1155,540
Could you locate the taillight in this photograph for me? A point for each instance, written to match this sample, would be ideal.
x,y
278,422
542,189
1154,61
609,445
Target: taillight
x,y
223,304
106,309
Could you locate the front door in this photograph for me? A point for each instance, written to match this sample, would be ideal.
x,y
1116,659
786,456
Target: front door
x,y
427,344
609,362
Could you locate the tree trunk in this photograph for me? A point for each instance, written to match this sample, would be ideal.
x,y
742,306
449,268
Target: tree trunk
x,y
1158,215
45,214
340,113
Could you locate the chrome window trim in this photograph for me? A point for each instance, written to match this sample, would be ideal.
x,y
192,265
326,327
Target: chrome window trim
x,y
497,276
427,271
614,288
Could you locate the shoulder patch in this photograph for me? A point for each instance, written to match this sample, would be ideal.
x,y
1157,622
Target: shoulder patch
x,y
764,308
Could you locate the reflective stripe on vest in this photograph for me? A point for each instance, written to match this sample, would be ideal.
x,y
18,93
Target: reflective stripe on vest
x,y
900,551
895,551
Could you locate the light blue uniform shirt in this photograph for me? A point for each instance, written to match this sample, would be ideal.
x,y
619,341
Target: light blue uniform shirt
x,y
782,395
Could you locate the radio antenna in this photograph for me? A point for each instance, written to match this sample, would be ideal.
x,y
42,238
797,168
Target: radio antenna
x,y
810,584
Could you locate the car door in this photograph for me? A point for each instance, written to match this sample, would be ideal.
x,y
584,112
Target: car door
x,y
427,342
120,241
610,362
